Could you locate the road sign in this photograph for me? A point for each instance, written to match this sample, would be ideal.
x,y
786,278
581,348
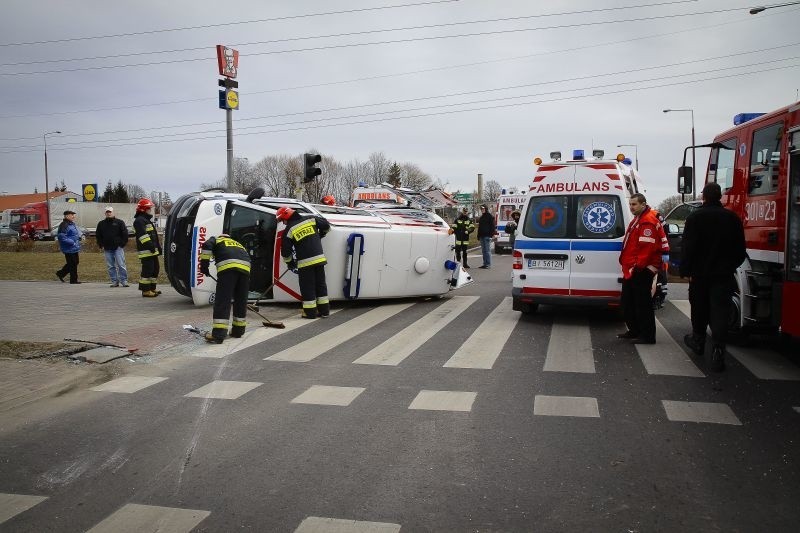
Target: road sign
x,y
463,197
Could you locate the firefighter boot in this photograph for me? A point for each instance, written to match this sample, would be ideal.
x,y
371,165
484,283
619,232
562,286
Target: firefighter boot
x,y
149,294
237,329
309,312
324,310
211,339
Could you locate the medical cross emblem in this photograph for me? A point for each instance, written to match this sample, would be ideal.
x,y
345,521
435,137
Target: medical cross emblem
x,y
598,217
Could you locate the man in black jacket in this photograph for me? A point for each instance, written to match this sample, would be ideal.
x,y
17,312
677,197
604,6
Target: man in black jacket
x,y
713,248
486,232
112,236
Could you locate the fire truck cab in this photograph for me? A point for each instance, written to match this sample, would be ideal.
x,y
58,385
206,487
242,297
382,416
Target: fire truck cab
x,y
571,232
757,165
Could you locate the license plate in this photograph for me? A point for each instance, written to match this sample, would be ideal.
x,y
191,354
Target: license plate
x,y
546,264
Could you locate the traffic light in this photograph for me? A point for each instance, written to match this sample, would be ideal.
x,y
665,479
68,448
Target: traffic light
x,y
311,171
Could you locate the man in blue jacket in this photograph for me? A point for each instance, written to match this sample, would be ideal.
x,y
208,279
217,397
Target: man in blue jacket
x,y
69,241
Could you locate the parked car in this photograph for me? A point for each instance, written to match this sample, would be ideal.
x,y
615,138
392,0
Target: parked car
x,y
673,226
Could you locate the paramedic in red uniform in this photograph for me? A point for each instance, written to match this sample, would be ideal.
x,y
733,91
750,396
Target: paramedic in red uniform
x,y
645,242
303,235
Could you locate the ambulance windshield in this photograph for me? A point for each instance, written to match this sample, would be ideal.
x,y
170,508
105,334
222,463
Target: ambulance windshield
x,y
574,217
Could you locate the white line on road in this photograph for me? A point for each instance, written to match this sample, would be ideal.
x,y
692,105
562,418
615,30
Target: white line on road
x,y
396,348
134,518
570,349
316,524
483,347
666,358
319,344
13,504
711,413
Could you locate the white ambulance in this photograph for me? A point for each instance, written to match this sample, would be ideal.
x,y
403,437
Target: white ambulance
x,y
570,236
510,200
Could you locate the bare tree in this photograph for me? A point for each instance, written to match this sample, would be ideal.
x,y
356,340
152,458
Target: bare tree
x,y
491,191
668,204
378,165
135,192
414,178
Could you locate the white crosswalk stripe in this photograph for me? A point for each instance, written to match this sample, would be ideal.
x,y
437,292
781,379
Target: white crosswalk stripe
x,y
315,346
317,524
570,348
134,518
13,504
764,364
483,347
666,358
394,350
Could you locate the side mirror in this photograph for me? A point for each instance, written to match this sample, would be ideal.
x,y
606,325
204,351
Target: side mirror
x,y
684,180
672,229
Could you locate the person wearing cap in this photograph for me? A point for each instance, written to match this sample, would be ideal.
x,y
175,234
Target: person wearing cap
x,y
69,241
511,227
233,282
112,236
462,227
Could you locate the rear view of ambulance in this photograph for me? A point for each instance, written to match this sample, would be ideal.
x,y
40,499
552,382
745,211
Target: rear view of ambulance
x,y
571,232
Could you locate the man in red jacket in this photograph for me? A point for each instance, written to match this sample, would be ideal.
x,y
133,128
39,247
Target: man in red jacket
x,y
645,242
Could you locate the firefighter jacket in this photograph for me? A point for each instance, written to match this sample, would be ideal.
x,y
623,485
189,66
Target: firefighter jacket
x,y
304,234
713,242
147,244
227,253
645,242
463,227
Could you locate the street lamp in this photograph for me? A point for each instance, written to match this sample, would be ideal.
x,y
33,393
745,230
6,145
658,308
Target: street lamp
x,y
694,167
636,152
758,9
47,179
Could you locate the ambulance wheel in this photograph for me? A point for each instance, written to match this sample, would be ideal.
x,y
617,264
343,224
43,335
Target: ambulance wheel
x,y
526,308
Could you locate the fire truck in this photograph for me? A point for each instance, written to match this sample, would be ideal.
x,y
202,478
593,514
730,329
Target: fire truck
x,y
757,165
88,214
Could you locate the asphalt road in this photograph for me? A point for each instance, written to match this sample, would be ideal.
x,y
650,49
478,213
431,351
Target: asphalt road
x,y
438,415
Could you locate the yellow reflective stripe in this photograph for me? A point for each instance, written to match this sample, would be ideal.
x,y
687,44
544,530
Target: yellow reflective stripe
x,y
310,261
287,259
144,238
229,266
242,262
220,326
241,323
309,305
144,254
205,255
322,300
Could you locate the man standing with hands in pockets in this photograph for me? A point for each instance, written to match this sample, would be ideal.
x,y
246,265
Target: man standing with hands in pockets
x,y
112,236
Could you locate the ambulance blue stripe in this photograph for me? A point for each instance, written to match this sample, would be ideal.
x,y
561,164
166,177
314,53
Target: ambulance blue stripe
x,y
610,246
542,245
595,246
193,272
499,227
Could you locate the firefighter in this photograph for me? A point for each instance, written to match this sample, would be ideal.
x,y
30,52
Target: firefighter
x,y
511,227
644,243
303,236
328,200
148,248
463,227
233,281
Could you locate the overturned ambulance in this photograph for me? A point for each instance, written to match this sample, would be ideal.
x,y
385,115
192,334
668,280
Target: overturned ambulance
x,y
382,253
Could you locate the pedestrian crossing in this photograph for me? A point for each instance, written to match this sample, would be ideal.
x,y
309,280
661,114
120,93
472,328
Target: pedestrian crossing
x,y
569,350
135,518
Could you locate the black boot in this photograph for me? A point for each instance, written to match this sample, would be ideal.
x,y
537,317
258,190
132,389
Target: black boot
x,y
718,359
695,344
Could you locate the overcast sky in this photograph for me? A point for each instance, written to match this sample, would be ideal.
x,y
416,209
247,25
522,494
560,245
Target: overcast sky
x,y
558,75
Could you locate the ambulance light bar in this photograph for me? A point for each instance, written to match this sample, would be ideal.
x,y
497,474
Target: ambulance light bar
x,y
577,155
537,161
620,157
741,118
555,156
598,154
626,161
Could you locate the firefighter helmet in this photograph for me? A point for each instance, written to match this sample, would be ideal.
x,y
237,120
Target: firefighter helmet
x,y
329,200
284,213
145,204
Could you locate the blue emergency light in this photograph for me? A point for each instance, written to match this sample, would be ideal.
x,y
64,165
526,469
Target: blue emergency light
x,y
741,118
626,161
577,155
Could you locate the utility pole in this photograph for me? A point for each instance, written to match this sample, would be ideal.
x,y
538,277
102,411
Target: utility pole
x,y
228,63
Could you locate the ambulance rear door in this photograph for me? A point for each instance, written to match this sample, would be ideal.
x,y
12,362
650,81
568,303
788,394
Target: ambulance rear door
x,y
598,227
544,242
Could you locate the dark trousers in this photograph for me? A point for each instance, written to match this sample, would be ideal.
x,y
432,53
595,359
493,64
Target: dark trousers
x,y
313,290
71,267
232,284
637,305
461,254
710,298
149,277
